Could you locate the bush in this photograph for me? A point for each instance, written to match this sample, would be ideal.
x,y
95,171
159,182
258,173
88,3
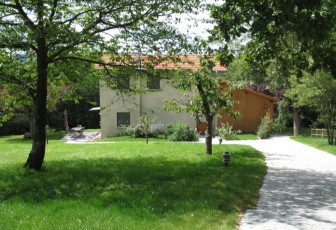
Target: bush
x,y
173,132
284,115
27,136
158,129
225,132
17,125
181,132
265,127
136,131
139,130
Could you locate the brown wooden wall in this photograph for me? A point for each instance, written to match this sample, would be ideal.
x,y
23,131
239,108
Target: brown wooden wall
x,y
252,108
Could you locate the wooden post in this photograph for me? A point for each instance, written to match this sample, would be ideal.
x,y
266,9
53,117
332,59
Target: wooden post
x,y
66,124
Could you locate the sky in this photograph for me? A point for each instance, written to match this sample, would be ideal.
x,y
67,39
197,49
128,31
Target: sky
x,y
197,25
192,25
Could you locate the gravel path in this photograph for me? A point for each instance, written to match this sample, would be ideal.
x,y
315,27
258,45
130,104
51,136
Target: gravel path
x,y
299,190
85,138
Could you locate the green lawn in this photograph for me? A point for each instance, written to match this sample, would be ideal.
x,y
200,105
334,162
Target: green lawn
x,y
124,185
321,144
247,136
241,136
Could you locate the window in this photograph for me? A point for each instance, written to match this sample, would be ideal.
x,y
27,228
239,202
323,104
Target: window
x,y
123,119
123,81
153,82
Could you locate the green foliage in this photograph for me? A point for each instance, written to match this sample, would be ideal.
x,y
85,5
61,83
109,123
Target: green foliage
x,y
135,131
283,41
128,186
181,132
283,116
265,128
268,23
144,128
317,91
241,70
49,131
204,94
225,132
17,124
62,37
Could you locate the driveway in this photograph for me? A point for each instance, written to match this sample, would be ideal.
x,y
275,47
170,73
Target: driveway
x,y
299,190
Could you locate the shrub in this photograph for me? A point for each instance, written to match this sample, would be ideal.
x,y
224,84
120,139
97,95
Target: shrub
x,y
181,132
265,128
225,132
135,131
283,116
145,125
18,124
158,129
27,136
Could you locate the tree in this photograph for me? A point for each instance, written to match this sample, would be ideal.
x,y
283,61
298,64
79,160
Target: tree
x,y
317,91
18,75
206,96
15,76
240,70
69,32
298,37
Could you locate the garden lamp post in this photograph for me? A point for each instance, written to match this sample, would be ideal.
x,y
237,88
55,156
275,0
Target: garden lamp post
x,y
226,158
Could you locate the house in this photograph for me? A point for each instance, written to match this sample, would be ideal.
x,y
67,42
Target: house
x,y
119,111
252,106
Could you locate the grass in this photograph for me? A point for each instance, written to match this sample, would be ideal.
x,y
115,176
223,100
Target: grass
x,y
123,185
92,130
241,136
247,136
132,139
318,143
289,131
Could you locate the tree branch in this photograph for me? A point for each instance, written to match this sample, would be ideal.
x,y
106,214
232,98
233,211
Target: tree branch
x,y
53,10
8,5
27,20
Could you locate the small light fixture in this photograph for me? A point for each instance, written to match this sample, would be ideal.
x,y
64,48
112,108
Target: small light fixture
x,y
265,106
226,158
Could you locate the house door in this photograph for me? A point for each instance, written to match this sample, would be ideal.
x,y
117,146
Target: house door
x,y
201,127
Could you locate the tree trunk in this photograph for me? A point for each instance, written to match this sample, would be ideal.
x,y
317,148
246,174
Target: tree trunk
x,y
36,156
66,123
328,134
32,119
208,115
332,135
208,136
296,121
147,130
330,129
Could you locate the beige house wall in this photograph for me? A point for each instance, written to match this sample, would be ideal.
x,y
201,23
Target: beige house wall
x,y
150,103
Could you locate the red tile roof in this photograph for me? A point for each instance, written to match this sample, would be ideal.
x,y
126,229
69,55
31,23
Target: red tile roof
x,y
162,61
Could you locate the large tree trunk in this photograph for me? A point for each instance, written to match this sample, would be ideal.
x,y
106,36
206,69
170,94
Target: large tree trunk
x,y
36,156
32,119
208,136
296,121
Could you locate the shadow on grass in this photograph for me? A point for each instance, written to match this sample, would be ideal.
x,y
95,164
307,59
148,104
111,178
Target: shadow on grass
x,y
158,185
20,139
